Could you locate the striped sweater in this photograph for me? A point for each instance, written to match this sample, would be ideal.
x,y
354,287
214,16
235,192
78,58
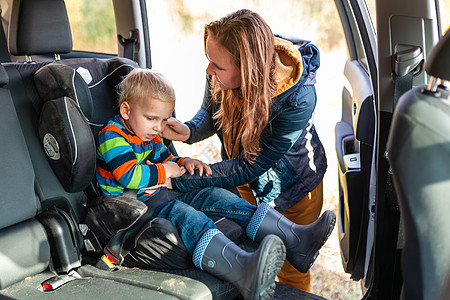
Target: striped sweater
x,y
121,157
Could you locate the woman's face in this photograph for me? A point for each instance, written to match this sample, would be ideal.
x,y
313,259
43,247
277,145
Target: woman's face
x,y
222,66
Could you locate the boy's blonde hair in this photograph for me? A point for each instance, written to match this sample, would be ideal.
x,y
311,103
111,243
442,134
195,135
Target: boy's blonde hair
x,y
140,83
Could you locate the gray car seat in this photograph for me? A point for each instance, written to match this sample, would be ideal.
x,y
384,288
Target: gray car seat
x,y
419,155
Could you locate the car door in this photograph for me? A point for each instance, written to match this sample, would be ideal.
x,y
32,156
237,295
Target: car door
x,y
355,142
380,68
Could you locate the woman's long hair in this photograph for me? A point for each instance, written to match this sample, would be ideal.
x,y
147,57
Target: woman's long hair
x,y
250,41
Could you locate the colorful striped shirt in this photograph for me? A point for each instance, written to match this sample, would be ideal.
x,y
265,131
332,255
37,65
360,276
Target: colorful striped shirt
x,y
121,160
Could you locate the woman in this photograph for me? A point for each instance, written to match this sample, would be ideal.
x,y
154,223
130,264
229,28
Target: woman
x,y
260,102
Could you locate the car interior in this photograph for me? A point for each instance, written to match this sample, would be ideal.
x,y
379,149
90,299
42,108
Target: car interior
x,y
55,101
390,56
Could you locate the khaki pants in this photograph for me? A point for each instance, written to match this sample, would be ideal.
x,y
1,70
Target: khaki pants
x,y
303,212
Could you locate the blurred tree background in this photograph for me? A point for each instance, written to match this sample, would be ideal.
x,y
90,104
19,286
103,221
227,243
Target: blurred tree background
x,y
92,33
99,35
297,17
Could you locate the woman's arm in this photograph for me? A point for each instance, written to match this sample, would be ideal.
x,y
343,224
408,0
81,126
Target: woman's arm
x,y
278,137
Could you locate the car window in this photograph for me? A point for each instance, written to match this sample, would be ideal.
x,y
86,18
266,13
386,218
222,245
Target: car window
x,y
444,7
356,45
90,33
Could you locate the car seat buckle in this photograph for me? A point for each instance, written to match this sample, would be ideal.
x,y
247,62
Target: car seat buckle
x,y
55,282
106,262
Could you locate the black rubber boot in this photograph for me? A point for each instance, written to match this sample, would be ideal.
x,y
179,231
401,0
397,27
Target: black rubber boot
x,y
252,273
302,241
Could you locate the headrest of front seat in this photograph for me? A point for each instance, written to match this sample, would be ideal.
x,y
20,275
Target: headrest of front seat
x,y
39,27
438,61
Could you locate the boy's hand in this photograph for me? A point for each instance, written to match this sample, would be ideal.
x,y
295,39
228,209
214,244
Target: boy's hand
x,y
190,164
173,170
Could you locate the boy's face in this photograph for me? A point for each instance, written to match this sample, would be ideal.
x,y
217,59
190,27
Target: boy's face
x,y
146,117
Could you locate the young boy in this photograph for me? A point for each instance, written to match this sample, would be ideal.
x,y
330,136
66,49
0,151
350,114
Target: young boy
x,y
127,141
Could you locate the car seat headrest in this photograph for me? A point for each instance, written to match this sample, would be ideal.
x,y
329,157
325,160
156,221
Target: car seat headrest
x,y
102,77
57,80
438,61
39,27
63,125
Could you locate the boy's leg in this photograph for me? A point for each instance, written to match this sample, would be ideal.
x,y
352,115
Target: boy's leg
x,y
191,224
213,201
302,241
253,273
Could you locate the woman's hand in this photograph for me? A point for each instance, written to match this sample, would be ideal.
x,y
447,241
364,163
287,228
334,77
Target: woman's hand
x,y
190,164
175,130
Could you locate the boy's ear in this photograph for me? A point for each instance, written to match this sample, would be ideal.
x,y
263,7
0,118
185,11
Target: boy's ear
x,y
124,110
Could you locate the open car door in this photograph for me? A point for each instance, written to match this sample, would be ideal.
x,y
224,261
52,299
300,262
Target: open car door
x,y
355,139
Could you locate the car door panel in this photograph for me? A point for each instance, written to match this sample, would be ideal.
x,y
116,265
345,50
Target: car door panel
x,y
354,140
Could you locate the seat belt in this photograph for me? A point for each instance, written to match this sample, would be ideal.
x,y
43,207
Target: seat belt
x,y
129,43
406,64
402,84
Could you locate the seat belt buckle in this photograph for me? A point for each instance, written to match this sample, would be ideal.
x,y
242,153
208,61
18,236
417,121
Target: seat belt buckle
x,y
107,263
55,282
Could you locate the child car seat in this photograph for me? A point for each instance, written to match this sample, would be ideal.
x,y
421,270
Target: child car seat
x,y
68,110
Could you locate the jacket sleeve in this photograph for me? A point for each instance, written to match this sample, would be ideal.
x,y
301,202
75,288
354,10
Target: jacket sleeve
x,y
279,136
202,125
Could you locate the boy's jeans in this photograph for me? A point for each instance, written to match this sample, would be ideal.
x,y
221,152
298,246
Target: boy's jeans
x,y
189,212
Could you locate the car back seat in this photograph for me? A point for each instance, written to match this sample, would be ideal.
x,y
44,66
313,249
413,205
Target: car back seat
x,y
39,214
23,243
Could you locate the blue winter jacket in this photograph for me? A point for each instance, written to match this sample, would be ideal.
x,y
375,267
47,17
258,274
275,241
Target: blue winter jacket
x,y
292,160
